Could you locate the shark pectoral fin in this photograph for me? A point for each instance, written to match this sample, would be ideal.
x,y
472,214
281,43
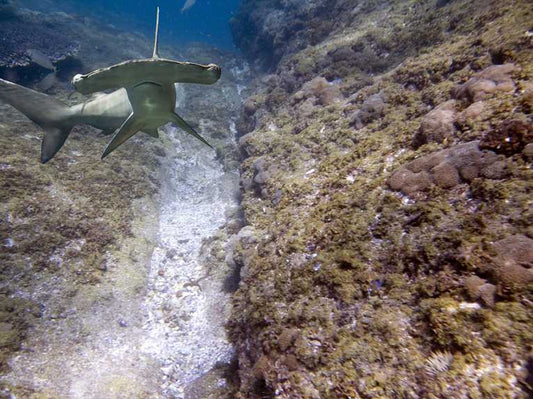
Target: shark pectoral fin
x,y
107,132
176,119
53,140
130,126
151,132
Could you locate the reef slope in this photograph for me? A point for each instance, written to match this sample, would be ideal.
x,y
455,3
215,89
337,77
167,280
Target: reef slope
x,y
387,191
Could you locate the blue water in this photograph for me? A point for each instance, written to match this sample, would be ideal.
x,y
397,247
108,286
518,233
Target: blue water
x,y
206,21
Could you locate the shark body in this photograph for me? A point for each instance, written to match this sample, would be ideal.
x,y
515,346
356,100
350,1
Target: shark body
x,y
188,4
144,100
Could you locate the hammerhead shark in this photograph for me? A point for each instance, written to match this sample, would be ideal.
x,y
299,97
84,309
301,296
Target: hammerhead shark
x,y
144,100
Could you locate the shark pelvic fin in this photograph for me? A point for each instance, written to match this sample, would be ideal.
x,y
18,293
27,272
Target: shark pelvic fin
x,y
130,126
177,120
155,54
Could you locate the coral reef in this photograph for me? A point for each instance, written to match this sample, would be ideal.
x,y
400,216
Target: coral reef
x,y
387,181
491,80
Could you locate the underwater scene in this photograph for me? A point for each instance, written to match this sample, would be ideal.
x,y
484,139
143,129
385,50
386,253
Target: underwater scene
x,y
251,199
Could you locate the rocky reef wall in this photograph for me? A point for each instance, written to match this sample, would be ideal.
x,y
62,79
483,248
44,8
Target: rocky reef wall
x,y
387,190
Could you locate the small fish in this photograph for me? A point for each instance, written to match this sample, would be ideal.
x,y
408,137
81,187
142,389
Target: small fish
x,y
188,4
40,58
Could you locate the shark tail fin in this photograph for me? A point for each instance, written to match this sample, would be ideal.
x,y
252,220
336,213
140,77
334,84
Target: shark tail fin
x,y
55,117
155,54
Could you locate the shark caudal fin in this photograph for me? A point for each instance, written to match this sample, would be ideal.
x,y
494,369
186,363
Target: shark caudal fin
x,y
155,54
55,117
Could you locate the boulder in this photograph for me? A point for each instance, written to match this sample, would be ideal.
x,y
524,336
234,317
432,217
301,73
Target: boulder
x,y
494,79
447,168
438,125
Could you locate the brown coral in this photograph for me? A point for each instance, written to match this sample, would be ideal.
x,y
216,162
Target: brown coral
x,y
510,137
372,108
478,288
326,93
438,125
447,168
513,261
491,80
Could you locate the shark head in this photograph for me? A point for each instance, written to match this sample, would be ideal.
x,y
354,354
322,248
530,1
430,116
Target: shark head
x,y
154,69
158,70
148,81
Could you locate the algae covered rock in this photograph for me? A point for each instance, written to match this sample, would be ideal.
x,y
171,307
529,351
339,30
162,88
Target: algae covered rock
x,y
324,92
372,108
479,288
266,30
528,151
513,260
494,79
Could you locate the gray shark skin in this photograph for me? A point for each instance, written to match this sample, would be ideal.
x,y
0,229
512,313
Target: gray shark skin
x,y
144,100
128,73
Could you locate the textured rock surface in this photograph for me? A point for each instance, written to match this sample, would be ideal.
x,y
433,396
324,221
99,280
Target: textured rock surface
x,y
351,288
510,137
269,30
491,80
513,260
30,49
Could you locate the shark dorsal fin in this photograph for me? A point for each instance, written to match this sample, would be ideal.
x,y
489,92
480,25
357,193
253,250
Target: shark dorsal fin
x,y
155,53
